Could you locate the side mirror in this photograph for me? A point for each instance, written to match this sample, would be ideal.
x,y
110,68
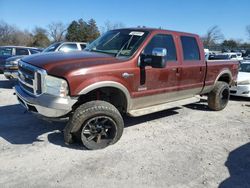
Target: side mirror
x,y
157,59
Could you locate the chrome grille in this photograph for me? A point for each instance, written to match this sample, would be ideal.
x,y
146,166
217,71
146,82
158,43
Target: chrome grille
x,y
30,78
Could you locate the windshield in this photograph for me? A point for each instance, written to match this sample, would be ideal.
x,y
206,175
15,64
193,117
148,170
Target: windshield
x,y
6,51
52,47
245,67
118,42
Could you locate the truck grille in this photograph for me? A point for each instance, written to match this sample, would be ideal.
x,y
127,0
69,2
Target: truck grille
x,y
30,78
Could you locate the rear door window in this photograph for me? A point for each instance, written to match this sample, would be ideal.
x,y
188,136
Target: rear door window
x,y
83,46
22,51
5,51
34,51
190,48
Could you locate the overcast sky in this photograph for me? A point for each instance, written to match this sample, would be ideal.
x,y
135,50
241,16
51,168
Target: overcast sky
x,y
194,16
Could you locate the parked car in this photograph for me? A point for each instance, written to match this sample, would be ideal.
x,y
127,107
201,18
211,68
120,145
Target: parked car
x,y
126,71
235,55
65,46
243,81
219,57
11,67
9,51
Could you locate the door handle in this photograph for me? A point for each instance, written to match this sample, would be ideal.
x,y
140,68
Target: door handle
x,y
127,75
176,70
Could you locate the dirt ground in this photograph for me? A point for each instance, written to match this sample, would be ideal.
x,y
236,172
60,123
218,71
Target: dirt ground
x,y
189,146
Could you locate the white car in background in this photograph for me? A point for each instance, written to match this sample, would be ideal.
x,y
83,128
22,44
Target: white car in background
x,y
235,55
243,81
65,47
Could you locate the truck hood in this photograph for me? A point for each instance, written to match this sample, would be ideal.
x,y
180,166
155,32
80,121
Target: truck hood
x,y
243,76
61,63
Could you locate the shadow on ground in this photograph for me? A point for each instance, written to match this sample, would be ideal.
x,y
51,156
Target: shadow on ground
x,y
235,98
18,127
238,164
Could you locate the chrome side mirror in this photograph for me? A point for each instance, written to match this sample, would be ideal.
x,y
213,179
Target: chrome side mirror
x,y
162,52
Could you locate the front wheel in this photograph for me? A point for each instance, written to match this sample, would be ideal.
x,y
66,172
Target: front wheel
x,y
219,96
97,123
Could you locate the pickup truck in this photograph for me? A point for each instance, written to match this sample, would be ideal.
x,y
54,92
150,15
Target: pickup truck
x,y
134,71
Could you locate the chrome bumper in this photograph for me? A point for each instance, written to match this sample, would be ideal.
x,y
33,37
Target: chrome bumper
x,y
11,74
45,104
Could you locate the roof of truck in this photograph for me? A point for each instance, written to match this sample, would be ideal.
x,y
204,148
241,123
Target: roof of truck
x,y
157,29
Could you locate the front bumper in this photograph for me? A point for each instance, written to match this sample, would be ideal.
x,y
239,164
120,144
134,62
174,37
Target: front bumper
x,y
11,74
240,90
47,105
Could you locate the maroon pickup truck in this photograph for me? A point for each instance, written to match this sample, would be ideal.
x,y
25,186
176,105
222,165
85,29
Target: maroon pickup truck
x,y
127,71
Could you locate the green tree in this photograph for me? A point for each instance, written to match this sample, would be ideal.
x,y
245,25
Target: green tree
x,y
81,31
40,38
92,30
229,44
72,31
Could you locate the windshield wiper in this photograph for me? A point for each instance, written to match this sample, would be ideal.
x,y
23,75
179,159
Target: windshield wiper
x,y
126,44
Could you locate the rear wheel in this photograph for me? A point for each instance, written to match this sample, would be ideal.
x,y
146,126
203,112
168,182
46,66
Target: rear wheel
x,y
219,96
98,124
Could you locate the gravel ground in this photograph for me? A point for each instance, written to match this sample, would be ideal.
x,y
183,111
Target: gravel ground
x,y
189,146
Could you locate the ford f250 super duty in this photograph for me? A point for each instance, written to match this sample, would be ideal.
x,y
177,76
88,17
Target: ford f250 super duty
x,y
133,71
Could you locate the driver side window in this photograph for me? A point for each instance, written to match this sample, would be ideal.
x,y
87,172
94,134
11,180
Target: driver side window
x,y
162,41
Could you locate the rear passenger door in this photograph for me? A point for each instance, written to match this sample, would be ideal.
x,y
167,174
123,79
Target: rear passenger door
x,y
193,67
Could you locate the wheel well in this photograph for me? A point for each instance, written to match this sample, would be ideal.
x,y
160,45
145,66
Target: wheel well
x,y
225,78
109,94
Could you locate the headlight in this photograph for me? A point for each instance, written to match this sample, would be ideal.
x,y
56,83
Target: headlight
x,y
245,82
56,86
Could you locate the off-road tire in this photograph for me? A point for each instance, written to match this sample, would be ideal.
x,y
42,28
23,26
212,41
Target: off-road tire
x,y
85,113
219,96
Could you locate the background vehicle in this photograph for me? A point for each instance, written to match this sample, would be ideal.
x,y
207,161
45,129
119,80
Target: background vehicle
x,y
11,67
65,46
9,51
243,81
133,71
235,55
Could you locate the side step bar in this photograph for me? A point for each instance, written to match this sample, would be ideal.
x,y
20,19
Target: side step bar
x,y
164,106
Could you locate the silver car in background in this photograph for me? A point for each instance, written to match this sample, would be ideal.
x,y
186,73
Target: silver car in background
x,y
65,47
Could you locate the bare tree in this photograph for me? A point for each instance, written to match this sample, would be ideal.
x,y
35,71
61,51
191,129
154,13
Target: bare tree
x,y
6,33
11,35
110,26
213,36
56,31
248,31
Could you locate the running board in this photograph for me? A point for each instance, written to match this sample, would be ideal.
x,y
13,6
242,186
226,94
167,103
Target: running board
x,y
164,106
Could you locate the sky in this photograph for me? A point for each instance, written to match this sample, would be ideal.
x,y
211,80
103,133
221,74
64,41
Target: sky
x,y
194,16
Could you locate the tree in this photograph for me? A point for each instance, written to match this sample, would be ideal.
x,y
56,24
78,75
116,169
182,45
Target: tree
x,y
248,31
81,31
7,33
110,26
212,37
40,38
56,31
92,30
229,44
11,35
72,31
